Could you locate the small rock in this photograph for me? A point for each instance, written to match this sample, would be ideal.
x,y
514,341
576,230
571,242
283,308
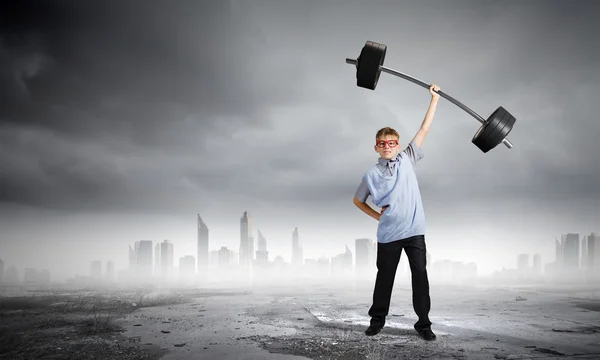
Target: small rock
x,y
179,345
165,331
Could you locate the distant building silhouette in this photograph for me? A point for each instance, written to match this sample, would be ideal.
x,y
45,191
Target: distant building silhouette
x,y
167,258
157,260
140,259
133,268
570,253
246,240
203,242
226,257
262,255
297,256
342,263
593,255
1,271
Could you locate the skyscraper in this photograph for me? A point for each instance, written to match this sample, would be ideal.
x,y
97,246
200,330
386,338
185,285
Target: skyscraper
x,y
166,258
157,260
297,258
144,258
202,257
262,255
1,271
571,253
593,254
246,240
133,268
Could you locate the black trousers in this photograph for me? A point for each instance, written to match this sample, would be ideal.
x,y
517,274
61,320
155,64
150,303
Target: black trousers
x,y
388,257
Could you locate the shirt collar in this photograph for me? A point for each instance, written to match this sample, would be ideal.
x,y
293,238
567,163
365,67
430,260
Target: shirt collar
x,y
390,162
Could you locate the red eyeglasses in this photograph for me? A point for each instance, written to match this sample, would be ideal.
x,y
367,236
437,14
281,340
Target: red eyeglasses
x,y
390,143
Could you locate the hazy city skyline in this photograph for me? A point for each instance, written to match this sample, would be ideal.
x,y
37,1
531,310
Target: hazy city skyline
x,y
114,131
575,255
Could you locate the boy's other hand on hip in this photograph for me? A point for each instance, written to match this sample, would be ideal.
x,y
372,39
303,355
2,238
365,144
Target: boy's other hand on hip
x,y
382,210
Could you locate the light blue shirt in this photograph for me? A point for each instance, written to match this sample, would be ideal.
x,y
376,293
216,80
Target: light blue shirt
x,y
394,183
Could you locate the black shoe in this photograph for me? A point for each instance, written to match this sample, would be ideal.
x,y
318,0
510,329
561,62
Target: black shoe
x,y
373,330
426,334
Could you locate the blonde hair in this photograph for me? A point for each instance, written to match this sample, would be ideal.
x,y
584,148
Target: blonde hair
x,y
386,131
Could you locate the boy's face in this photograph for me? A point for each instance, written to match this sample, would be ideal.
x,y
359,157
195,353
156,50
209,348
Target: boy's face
x,y
387,146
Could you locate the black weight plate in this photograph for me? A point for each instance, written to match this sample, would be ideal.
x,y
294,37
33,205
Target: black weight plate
x,y
493,122
486,137
367,69
371,58
484,132
503,133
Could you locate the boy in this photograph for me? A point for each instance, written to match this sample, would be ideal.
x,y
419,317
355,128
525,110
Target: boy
x,y
392,185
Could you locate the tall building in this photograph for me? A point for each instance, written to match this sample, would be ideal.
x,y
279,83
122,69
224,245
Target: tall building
x,y
364,254
132,260
157,260
584,253
1,271
342,262
202,255
297,257
167,258
262,255
246,240
226,257
570,251
144,258
593,254
96,270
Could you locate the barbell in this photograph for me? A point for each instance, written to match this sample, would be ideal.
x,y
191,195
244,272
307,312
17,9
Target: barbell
x,y
492,132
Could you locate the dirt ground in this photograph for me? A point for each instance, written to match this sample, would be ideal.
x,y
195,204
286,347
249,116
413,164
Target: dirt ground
x,y
75,325
295,323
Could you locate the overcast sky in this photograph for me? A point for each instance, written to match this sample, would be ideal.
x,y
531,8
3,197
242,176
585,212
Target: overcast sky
x,y
122,121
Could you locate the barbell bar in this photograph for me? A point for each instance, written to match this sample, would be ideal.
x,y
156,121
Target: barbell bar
x,y
492,132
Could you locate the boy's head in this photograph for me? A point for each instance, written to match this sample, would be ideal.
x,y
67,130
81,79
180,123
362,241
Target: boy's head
x,y
387,143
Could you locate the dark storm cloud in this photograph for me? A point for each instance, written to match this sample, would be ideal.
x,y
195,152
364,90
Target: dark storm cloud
x,y
149,75
140,106
118,63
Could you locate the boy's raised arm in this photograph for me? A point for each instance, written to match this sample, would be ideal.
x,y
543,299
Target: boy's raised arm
x,y
420,135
